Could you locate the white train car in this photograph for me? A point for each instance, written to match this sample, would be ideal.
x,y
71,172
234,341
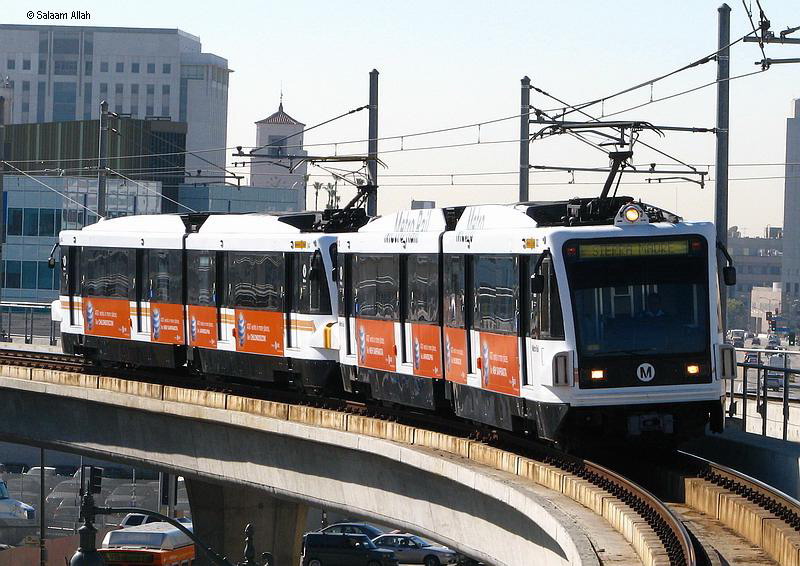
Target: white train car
x,y
567,321
122,290
260,299
390,308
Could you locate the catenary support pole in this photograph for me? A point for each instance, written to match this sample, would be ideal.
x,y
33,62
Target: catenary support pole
x,y
372,148
102,161
723,115
524,143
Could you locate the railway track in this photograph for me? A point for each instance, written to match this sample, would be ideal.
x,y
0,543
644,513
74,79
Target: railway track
x,y
655,529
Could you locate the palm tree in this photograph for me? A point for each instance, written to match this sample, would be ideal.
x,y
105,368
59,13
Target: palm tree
x,y
333,197
317,187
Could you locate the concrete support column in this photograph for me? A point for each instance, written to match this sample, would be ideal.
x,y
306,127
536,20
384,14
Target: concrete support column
x,y
221,512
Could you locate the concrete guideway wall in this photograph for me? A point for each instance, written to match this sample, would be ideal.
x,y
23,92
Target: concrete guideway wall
x,y
398,475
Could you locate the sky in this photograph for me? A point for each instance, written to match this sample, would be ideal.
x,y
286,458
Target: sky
x,y
446,64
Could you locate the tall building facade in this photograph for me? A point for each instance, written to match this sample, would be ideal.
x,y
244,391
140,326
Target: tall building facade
x,y
757,259
790,277
149,150
61,73
279,163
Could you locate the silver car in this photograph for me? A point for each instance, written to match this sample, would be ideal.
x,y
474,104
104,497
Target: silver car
x,y
411,549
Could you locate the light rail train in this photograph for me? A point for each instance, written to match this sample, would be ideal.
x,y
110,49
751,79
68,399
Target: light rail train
x,y
580,319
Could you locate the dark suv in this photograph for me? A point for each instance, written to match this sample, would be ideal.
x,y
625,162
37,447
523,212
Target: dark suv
x,y
322,549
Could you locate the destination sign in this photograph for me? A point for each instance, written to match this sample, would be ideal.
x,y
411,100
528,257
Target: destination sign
x,y
634,249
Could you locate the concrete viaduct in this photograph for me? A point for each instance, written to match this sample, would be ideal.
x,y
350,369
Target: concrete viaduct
x,y
263,462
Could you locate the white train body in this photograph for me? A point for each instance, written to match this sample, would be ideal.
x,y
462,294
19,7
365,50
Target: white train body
x,y
552,318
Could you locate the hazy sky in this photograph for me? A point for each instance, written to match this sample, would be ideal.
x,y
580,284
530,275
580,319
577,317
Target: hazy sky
x,y
449,63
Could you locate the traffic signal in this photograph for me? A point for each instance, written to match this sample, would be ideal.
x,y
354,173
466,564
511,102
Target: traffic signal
x,y
769,315
95,479
773,324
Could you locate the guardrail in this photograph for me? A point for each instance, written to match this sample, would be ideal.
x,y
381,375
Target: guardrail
x,y
26,320
765,379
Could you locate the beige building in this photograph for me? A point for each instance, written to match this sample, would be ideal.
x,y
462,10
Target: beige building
x,y
281,158
764,300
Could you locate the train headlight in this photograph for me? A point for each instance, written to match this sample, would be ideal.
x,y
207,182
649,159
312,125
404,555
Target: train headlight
x,y
692,369
598,374
632,214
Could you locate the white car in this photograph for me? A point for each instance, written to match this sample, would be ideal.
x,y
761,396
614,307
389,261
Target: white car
x,y
11,509
411,549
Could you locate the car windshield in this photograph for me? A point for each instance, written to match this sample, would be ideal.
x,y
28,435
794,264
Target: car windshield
x,y
420,541
637,305
3,490
363,540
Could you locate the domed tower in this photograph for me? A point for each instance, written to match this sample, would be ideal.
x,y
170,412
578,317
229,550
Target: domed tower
x,y
280,141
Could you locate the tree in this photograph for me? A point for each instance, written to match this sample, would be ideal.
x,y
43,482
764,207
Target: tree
x,y
317,187
738,315
333,197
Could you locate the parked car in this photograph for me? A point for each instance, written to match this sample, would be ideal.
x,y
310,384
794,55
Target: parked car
x,y
775,377
353,528
411,549
330,549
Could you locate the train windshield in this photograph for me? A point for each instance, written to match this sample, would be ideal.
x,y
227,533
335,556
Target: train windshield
x,y
630,304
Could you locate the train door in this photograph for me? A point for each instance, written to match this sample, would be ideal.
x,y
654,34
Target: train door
x,y
495,327
72,282
292,261
346,295
456,345
543,320
141,283
219,292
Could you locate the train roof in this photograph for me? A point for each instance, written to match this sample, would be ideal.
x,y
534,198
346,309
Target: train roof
x,y
256,223
573,212
142,223
419,220
161,536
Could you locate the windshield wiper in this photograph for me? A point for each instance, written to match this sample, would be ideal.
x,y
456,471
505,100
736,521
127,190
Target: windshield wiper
x,y
630,352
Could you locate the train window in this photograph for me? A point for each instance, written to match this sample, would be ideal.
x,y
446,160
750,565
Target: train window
x,y
551,322
454,288
375,286
108,273
496,291
422,289
201,289
164,276
256,280
310,293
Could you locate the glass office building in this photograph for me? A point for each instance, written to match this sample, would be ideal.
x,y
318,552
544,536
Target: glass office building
x,y
36,209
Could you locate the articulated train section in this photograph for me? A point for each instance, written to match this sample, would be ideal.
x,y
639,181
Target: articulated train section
x,y
692,511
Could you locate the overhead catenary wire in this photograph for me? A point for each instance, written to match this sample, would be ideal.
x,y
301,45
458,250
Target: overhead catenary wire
x,y
652,182
683,92
697,62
